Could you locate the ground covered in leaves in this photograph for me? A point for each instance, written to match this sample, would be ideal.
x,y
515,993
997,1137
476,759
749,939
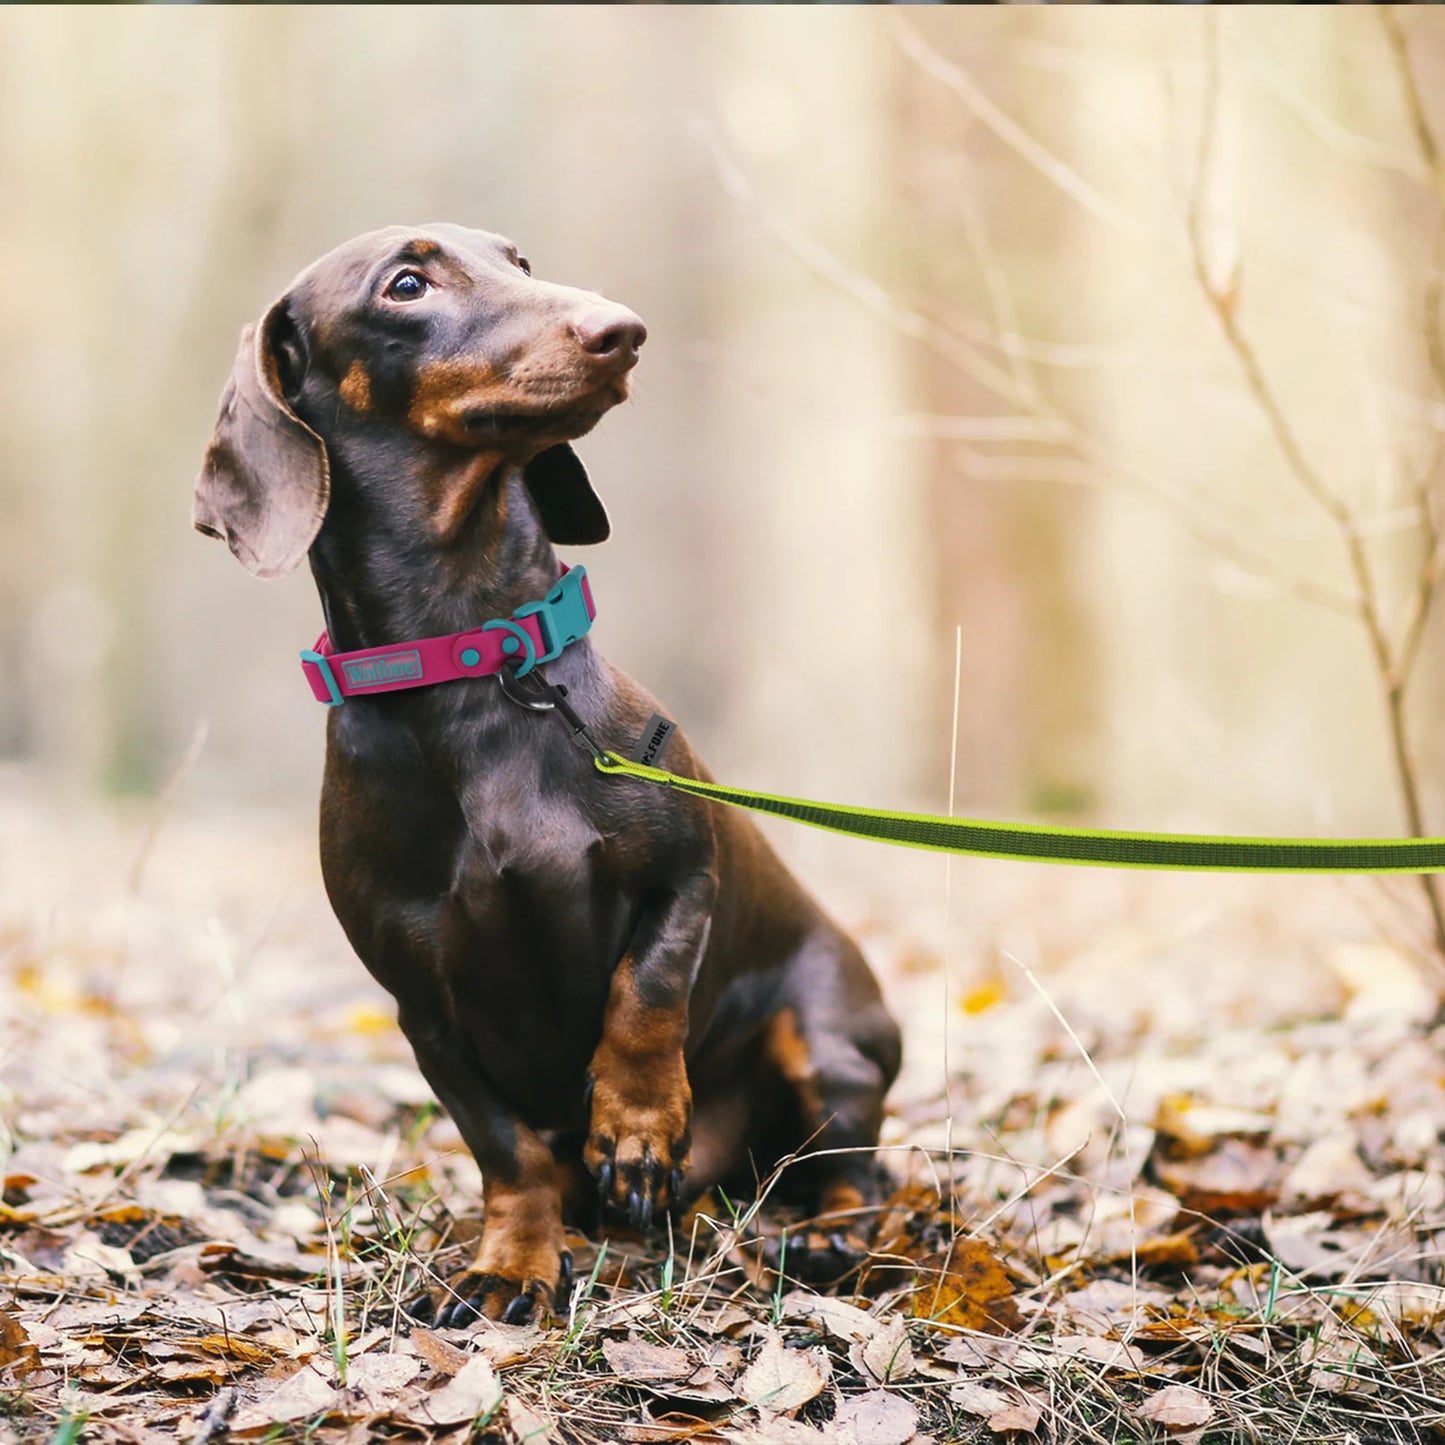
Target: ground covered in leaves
x,y
1166,1164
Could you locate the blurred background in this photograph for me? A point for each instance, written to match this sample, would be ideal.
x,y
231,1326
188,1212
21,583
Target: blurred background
x,y
940,372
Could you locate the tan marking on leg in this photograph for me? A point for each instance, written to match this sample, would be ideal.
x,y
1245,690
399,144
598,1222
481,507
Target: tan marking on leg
x,y
790,1054
356,387
522,1235
641,1099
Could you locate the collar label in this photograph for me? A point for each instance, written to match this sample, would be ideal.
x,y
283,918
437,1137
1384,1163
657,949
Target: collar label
x,y
389,667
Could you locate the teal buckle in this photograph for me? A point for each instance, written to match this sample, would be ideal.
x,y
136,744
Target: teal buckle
x,y
561,615
323,665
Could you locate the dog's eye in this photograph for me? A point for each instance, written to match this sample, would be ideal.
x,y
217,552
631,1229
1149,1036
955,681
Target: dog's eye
x,y
524,264
408,286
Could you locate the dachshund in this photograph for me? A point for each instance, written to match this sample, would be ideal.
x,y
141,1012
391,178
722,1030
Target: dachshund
x,y
618,991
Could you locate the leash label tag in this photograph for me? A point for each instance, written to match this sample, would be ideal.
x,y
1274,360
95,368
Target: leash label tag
x,y
654,740
387,668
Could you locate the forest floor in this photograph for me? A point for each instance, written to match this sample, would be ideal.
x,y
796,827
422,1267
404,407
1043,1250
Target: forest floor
x,y
1167,1159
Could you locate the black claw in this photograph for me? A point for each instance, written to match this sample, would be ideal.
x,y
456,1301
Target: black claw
x,y
519,1311
644,1213
564,1276
605,1176
674,1186
459,1314
422,1309
588,1089
634,1206
839,1245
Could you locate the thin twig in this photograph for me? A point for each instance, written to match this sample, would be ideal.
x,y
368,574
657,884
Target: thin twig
x,y
1223,302
1434,164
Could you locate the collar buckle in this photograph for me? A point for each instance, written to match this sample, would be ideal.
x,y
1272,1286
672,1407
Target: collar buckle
x,y
562,615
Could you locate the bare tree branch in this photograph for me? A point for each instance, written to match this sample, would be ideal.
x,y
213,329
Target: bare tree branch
x,y
1429,149
1223,301
1013,135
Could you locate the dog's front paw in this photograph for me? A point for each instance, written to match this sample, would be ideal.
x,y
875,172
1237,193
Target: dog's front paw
x,y
638,1139
531,1294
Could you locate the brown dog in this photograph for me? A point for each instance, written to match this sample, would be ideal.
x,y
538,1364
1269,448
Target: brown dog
x,y
594,972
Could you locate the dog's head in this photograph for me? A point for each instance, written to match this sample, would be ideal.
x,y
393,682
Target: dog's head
x,y
437,338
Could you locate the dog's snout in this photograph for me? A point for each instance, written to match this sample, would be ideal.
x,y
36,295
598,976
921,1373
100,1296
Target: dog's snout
x,y
610,332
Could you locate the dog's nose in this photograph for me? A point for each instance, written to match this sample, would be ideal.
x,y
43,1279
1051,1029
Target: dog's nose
x,y
610,332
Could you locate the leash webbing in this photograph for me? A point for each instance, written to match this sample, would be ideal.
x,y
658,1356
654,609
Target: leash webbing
x,y
1042,843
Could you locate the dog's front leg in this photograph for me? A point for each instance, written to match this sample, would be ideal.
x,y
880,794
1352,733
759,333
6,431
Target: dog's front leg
x,y
639,1132
522,1269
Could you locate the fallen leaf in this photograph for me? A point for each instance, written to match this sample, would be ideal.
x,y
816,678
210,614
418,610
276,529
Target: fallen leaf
x,y
1308,1245
1177,1407
780,1380
1336,1358
305,1395
1025,1417
1001,1412
877,1418
444,1358
527,1426
1197,1124
1235,1178
1384,984
780,1432
378,1378
886,1356
976,1399
638,1360
472,1393
968,1287
16,1349
836,1317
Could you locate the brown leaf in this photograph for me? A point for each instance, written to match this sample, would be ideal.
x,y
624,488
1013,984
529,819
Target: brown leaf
x,y
1001,1411
886,1356
16,1350
782,1432
969,1288
473,1393
527,1426
1307,1244
1235,1178
377,1379
638,1360
782,1380
1177,1407
305,1395
1024,1416
877,1418
675,1425
835,1316
444,1358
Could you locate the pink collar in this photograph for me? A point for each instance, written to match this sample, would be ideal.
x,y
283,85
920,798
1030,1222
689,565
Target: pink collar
x,y
535,633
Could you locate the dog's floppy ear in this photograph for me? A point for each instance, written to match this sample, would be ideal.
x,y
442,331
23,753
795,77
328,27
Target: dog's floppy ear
x,y
572,513
265,482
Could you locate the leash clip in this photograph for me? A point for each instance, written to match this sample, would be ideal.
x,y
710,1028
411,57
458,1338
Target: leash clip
x,y
547,696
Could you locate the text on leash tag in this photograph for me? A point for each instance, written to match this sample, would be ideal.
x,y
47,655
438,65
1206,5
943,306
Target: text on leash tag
x,y
654,740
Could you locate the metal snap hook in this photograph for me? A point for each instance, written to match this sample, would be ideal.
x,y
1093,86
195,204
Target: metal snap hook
x,y
541,700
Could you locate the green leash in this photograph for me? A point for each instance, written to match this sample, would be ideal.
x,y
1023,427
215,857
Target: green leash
x,y
1097,847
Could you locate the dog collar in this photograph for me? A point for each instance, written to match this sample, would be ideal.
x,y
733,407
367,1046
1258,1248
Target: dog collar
x,y
534,633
